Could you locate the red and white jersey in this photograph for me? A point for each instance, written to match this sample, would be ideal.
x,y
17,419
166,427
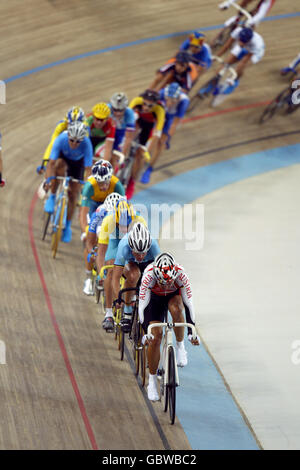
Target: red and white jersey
x,y
262,9
149,284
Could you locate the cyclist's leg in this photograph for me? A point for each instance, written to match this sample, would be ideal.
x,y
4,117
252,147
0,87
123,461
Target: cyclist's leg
x,y
75,170
110,256
54,168
176,309
132,275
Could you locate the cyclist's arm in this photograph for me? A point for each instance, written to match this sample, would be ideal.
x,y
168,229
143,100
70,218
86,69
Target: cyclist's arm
x,y
129,131
147,283
187,297
117,273
108,147
160,119
226,46
119,188
100,260
107,227
61,126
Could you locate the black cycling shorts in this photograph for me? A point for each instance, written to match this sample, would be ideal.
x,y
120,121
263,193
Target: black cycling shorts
x,y
157,309
75,167
146,129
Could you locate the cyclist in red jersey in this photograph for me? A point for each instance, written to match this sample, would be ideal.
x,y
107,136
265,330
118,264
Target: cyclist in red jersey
x,y
102,131
165,286
258,13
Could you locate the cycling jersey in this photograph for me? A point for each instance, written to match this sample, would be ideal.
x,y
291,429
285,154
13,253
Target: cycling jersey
x,y
126,123
155,116
107,132
149,285
124,253
203,57
256,46
179,109
186,78
261,10
96,220
91,191
83,151
110,229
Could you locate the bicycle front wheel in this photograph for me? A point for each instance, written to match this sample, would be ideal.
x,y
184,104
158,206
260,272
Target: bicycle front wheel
x,y
171,386
56,236
46,225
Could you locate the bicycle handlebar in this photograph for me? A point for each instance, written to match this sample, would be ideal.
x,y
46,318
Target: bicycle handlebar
x,y
242,10
171,325
231,69
69,178
107,266
127,289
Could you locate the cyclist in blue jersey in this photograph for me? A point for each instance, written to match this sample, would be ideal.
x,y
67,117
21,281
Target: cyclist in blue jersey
x,y
136,250
124,119
93,231
176,103
72,153
199,51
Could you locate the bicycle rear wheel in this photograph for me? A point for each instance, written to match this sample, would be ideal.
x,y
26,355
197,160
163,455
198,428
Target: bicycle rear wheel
x,y
143,364
171,386
274,106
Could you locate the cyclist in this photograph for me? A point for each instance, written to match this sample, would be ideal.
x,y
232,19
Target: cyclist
x,y
180,69
92,231
102,131
165,286
149,124
74,114
72,152
261,9
136,250
113,228
175,103
2,181
248,48
124,119
98,186
292,66
200,51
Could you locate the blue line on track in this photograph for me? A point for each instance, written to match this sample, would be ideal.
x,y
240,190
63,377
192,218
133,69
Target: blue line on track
x,y
205,408
128,44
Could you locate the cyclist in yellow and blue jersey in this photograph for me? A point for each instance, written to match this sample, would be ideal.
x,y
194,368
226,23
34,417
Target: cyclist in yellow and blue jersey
x,y
98,186
114,226
150,122
74,114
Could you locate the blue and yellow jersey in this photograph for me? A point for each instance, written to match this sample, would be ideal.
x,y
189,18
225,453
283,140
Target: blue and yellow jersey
x,y
91,191
157,113
110,229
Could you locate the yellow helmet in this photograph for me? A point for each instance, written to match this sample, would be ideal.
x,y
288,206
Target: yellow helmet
x,y
101,111
124,212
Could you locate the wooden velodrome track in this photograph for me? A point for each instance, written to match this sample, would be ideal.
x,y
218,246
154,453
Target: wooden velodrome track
x,y
63,386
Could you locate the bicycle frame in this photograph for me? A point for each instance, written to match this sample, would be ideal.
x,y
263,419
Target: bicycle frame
x,y
167,344
241,10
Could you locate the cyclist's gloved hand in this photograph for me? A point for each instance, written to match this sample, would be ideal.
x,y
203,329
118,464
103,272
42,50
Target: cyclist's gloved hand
x,y
89,257
40,169
168,144
83,236
2,183
224,5
147,338
195,340
99,281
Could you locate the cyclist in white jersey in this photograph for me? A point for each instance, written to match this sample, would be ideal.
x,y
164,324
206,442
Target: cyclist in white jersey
x,y
165,286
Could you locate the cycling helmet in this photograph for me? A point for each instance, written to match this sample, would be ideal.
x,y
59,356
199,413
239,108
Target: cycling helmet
x,y
101,111
173,90
196,39
246,35
102,171
111,200
77,130
150,95
165,269
183,57
139,238
75,114
124,212
119,101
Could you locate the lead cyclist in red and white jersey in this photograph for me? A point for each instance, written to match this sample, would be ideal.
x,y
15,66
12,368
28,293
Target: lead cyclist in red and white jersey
x,y
258,13
165,286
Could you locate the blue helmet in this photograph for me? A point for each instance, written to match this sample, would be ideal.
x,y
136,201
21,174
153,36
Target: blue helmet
x,y
173,90
75,114
246,35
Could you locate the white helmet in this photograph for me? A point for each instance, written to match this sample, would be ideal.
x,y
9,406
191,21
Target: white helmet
x,y
111,200
165,269
77,130
119,101
102,171
139,238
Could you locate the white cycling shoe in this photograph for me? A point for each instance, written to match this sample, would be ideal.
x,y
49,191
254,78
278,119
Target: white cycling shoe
x,y
88,287
152,391
181,356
